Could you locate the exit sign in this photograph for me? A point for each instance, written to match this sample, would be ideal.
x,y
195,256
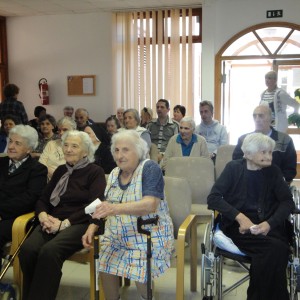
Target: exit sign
x,y
275,13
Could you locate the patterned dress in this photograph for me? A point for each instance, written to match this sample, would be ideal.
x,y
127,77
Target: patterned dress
x,y
123,250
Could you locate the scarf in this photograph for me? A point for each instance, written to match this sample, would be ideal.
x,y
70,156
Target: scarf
x,y
61,186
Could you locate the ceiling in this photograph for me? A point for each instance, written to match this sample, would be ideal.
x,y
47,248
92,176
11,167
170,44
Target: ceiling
x,y
55,7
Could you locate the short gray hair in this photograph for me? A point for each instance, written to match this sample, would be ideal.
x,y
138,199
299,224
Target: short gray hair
x,y
86,142
132,137
271,75
189,120
256,142
135,114
67,120
28,133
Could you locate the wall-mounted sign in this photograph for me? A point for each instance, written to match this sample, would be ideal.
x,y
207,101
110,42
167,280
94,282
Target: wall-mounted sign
x,y
275,13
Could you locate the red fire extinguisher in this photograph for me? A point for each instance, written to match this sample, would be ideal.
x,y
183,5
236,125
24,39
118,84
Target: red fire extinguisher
x,y
44,91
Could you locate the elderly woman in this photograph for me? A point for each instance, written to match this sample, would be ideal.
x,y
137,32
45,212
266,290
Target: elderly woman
x,y
52,155
185,143
60,211
47,125
8,122
132,121
135,188
112,125
255,202
101,141
22,179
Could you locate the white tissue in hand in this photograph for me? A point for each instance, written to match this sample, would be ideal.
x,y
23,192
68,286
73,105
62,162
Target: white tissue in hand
x,y
254,229
92,207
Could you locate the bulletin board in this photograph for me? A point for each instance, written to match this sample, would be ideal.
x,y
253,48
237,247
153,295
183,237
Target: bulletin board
x,y
81,85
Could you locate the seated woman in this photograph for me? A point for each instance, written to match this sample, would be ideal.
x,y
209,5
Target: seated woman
x,y
135,188
112,125
52,155
101,141
47,125
185,143
132,121
178,112
254,202
9,121
146,116
22,179
60,211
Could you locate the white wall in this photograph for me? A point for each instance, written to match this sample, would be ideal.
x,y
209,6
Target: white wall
x,y
224,18
55,47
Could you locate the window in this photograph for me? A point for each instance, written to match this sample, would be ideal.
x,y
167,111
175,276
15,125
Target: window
x,y
158,55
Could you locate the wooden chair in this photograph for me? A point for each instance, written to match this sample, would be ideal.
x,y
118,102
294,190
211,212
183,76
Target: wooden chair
x,y
19,230
179,198
200,174
224,155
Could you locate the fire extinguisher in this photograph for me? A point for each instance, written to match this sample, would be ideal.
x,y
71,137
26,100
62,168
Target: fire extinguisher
x,y
44,91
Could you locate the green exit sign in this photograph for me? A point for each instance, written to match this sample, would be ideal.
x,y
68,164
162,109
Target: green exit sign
x,y
275,13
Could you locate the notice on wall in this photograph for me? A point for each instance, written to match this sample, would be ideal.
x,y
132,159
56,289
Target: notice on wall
x,y
81,85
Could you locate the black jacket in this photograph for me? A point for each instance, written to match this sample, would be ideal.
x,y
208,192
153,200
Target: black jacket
x,y
20,191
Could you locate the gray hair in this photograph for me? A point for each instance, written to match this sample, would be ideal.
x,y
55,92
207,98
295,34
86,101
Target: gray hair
x,y
135,114
256,142
189,120
132,137
68,121
28,133
80,110
86,142
69,108
271,75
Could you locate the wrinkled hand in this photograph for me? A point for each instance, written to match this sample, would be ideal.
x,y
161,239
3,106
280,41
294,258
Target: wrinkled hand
x,y
50,224
245,223
103,210
262,228
88,237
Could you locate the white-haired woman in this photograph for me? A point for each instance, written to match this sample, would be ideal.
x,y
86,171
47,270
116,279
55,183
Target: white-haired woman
x,y
255,202
22,179
52,155
185,143
62,219
132,121
135,188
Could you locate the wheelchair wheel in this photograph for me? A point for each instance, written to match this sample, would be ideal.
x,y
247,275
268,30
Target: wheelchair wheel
x,y
13,293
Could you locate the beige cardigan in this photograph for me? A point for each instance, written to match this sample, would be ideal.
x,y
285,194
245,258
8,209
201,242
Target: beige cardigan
x,y
174,149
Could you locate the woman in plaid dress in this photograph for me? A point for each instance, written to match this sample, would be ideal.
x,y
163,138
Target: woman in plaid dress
x,y
135,188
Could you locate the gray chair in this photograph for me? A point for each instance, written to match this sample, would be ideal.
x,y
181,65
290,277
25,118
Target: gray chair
x,y
179,197
224,156
200,174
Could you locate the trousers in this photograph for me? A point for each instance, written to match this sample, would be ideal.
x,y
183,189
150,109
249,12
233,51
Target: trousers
x,y
269,259
41,258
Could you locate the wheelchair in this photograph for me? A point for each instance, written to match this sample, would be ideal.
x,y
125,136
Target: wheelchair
x,y
212,260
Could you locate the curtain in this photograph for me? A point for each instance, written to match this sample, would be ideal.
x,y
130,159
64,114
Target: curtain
x,y
153,58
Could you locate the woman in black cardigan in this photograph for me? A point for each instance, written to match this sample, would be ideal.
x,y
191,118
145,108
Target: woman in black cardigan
x,y
62,219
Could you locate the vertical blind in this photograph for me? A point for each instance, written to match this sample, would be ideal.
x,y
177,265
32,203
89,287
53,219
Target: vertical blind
x,y
153,58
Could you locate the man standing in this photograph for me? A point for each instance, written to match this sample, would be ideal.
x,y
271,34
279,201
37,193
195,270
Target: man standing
x,y
162,128
284,154
214,133
277,99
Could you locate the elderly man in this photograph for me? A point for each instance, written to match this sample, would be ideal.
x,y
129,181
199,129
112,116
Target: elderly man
x,y
68,111
277,99
284,154
22,179
82,118
214,133
162,128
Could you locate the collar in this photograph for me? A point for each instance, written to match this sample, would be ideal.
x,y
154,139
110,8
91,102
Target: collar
x,y
18,163
179,139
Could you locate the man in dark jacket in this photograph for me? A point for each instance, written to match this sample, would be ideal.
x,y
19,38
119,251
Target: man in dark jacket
x,y
22,179
284,154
